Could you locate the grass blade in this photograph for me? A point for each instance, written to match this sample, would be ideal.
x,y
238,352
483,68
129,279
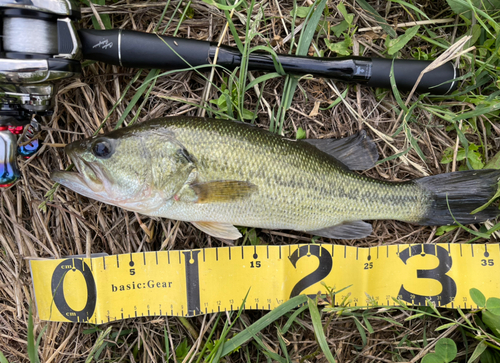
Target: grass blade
x,y
106,20
152,73
404,4
208,340
305,39
480,348
262,78
307,33
361,331
270,354
167,346
283,346
234,32
222,7
32,351
318,330
3,359
150,78
380,20
262,323
291,319
98,344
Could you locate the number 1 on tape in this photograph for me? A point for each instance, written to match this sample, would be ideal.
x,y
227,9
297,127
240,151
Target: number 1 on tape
x,y
194,282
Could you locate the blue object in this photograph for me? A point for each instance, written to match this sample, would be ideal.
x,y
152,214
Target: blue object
x,y
29,149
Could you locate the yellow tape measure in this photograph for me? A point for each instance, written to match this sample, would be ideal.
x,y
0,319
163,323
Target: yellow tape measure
x,y
193,282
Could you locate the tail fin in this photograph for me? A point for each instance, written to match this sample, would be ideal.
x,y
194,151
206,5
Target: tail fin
x,y
461,193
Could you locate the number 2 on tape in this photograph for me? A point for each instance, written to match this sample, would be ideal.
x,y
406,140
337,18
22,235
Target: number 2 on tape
x,y
323,270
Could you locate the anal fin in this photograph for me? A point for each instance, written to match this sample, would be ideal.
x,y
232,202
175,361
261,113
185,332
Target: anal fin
x,y
346,230
219,230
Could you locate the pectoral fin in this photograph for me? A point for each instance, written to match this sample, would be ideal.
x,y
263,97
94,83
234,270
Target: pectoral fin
x,y
222,191
347,230
219,230
357,152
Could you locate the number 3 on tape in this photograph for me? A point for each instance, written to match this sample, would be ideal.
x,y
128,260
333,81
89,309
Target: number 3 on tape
x,y
194,282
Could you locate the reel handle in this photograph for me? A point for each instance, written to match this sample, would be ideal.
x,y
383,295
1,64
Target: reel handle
x,y
146,50
9,171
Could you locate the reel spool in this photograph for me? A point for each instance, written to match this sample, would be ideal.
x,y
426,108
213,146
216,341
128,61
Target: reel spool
x,y
34,29
27,37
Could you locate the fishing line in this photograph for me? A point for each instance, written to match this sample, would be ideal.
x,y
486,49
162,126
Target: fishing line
x,y
26,35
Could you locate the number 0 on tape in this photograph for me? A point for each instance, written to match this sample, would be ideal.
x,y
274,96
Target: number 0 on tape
x,y
194,282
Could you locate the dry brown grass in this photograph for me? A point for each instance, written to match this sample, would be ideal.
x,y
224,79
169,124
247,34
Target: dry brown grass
x,y
72,224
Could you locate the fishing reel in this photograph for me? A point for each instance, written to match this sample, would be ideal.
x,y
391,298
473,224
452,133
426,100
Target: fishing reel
x,y
39,47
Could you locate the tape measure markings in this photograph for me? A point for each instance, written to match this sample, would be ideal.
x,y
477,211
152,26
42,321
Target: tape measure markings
x,y
120,286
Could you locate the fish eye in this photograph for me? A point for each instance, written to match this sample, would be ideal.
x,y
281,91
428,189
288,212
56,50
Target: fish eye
x,y
102,149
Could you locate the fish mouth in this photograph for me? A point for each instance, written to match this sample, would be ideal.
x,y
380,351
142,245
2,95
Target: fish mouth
x,y
87,180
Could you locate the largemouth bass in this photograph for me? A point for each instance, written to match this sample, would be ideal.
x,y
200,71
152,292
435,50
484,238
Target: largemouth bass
x,y
220,174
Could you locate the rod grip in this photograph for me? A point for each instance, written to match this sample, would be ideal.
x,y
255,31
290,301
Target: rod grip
x,y
134,49
406,72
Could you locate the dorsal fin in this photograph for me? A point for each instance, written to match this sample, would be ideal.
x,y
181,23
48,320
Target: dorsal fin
x,y
357,152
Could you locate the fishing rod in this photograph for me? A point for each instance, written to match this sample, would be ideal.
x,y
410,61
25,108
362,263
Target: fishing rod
x,y
41,45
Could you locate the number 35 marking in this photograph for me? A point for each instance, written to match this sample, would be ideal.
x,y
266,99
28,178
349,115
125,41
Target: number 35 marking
x,y
488,262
